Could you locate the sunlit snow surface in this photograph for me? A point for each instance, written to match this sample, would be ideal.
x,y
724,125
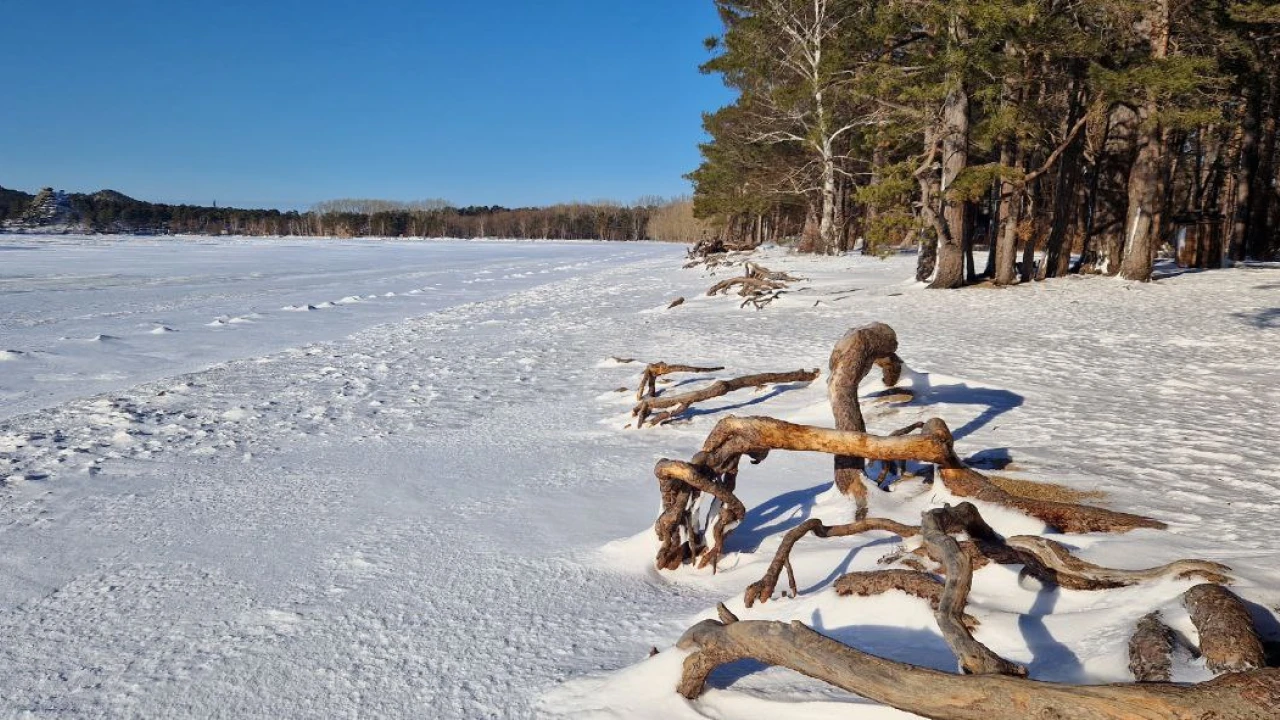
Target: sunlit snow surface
x,y
277,496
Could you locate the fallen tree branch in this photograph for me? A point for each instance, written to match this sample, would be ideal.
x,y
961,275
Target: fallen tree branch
x,y
682,402
755,437
653,371
746,286
944,696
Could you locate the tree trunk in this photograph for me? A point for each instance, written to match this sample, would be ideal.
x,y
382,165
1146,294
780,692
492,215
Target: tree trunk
x,y
1106,232
1142,224
1006,245
955,157
1058,259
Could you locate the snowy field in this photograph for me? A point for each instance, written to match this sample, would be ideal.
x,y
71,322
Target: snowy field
x,y
419,506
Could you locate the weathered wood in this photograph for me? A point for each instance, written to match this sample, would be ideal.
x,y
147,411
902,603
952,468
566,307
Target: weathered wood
x,y
643,411
974,657
649,378
676,303
762,590
1228,640
923,585
944,696
1055,563
1151,650
851,360
746,286
734,437
677,526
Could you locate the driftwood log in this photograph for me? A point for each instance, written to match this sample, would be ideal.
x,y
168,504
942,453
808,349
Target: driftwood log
x,y
1227,639
675,405
653,371
755,437
862,348
1253,695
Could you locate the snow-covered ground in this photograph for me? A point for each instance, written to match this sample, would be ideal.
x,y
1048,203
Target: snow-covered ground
x,y
443,516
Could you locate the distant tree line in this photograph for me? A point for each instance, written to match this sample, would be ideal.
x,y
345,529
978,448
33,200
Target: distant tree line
x,y
106,211
1041,130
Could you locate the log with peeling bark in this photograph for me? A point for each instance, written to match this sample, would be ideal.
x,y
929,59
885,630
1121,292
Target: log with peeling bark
x,y
1228,641
1151,650
676,405
862,348
932,694
653,371
733,437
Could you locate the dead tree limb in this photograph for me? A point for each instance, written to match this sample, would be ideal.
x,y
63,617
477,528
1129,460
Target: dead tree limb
x,y
852,358
746,286
762,590
653,371
1228,641
1056,563
755,437
1151,650
680,403
760,272
974,657
944,696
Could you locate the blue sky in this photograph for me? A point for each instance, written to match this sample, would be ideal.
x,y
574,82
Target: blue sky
x,y
283,103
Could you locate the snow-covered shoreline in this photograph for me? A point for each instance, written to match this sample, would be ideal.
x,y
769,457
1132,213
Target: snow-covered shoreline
x,y
443,516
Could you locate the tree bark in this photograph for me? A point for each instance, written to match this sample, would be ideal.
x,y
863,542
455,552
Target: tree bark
x,y
851,360
1142,226
955,157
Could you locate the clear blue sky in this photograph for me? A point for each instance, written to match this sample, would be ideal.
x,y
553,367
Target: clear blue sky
x,y
286,102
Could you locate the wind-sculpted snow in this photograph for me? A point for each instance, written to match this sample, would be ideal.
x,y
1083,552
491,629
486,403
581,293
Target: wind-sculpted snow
x,y
423,518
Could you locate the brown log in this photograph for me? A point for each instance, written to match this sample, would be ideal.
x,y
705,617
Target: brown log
x,y
683,401
851,360
653,371
1228,640
974,657
944,696
755,437
760,272
1151,650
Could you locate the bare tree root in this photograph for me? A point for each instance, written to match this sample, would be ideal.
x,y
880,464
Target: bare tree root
x,y
746,286
755,437
760,272
1151,650
1051,560
974,657
944,696
923,585
679,530
762,590
653,371
679,404
1047,560
1228,641
851,360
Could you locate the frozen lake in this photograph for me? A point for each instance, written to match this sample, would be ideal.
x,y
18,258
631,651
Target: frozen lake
x,y
83,315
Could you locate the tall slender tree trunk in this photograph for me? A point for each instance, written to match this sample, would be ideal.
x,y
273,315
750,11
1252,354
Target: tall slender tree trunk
x,y
955,157
1142,225
1058,260
1006,245
1261,237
